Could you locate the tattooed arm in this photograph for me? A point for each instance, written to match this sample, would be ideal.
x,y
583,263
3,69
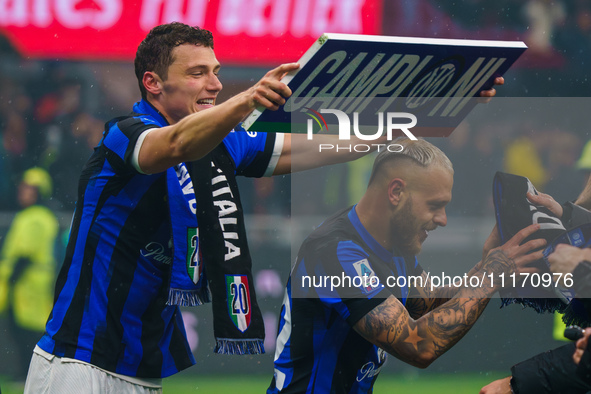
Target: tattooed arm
x,y
419,342
424,299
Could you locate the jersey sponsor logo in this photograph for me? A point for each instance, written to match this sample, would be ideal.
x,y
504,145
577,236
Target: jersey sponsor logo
x,y
155,251
368,370
364,270
371,368
194,266
238,295
251,134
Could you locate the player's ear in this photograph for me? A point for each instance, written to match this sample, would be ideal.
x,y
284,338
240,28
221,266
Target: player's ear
x,y
152,82
396,189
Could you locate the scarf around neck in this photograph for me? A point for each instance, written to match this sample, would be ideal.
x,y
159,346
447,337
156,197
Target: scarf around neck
x,y
210,264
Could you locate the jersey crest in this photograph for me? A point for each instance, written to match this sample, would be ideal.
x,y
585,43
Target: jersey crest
x,y
369,280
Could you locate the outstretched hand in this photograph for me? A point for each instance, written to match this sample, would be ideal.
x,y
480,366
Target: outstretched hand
x,y
270,92
514,256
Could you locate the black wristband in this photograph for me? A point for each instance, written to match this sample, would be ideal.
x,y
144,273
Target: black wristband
x,y
512,386
580,279
583,267
567,213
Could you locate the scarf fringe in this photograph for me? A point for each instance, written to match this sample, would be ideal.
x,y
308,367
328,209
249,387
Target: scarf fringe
x,y
540,305
576,314
182,297
573,313
239,346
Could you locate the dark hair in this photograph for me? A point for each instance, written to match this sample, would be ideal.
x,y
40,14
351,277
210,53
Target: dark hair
x,y
155,52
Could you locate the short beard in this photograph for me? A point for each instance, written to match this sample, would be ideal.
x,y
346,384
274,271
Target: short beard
x,y
405,230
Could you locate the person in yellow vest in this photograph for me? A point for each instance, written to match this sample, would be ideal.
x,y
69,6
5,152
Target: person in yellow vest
x,y
28,266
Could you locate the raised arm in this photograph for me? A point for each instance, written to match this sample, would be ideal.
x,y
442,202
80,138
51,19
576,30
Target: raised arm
x,y
197,134
419,342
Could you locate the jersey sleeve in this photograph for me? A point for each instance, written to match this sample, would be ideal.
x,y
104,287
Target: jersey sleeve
x,y
255,154
354,288
122,137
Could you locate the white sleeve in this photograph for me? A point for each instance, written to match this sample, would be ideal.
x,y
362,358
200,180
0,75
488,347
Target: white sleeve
x,y
277,149
136,151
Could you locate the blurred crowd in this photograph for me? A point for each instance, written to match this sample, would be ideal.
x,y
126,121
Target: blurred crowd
x,y
557,32
50,116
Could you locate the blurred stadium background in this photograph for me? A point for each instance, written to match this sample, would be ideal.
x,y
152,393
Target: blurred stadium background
x,y
66,68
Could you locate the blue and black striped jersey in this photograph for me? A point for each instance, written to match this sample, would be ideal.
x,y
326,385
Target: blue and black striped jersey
x,y
318,351
110,299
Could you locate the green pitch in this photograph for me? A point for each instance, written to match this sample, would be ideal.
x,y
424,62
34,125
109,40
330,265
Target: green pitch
x,y
387,383
427,383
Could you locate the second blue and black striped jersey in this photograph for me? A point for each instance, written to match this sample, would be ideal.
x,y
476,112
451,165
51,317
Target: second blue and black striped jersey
x,y
110,299
318,351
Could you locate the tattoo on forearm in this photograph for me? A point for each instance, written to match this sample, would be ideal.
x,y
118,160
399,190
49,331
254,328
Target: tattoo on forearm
x,y
497,263
388,321
424,299
450,322
382,318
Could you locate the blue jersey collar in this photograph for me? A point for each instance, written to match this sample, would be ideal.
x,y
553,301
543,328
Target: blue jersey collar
x,y
144,107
